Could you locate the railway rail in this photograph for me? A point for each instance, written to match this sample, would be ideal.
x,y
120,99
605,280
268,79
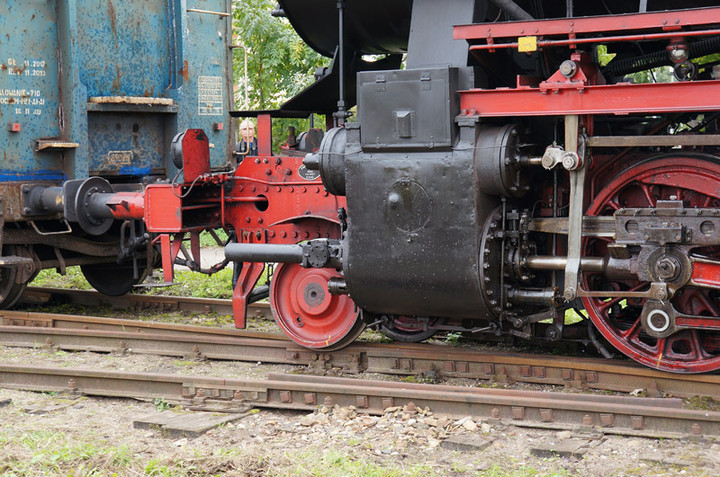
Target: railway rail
x,y
82,333
584,413
43,295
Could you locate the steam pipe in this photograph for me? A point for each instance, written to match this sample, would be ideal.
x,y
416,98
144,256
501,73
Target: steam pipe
x,y
513,9
253,252
340,118
545,296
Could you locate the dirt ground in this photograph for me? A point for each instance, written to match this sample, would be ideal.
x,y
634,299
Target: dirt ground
x,y
45,434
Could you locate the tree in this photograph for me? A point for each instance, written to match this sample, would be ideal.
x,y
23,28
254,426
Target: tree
x,y
279,63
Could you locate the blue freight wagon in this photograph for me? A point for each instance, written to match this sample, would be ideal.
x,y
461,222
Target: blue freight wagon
x,y
97,89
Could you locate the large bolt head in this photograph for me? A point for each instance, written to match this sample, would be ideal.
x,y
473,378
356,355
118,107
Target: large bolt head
x,y
667,268
570,294
570,161
568,68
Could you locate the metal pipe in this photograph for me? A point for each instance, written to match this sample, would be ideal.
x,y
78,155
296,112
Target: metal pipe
x,y
340,119
208,12
546,262
337,286
545,296
254,252
116,205
278,11
50,199
526,161
513,9
596,342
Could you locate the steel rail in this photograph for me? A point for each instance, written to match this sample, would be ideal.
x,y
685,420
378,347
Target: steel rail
x,y
589,413
59,320
41,295
75,333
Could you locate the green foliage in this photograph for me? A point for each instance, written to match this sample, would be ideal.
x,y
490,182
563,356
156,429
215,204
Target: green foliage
x,y
189,283
603,56
207,240
162,405
663,74
156,468
335,463
572,316
45,452
279,64
453,337
500,470
52,279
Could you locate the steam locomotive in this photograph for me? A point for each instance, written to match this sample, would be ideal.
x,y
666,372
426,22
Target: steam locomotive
x,y
513,169
488,165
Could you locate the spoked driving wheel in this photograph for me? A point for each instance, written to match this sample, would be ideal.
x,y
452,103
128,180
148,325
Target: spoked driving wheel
x,y
308,313
695,181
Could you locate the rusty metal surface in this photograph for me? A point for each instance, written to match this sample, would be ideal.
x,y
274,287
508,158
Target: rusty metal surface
x,y
115,335
571,372
255,347
35,295
583,412
56,320
58,55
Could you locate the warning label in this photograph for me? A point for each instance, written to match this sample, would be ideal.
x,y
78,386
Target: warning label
x,y
210,95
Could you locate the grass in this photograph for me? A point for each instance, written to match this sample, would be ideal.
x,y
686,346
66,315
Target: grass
x,y
522,471
187,283
207,240
42,452
52,279
332,463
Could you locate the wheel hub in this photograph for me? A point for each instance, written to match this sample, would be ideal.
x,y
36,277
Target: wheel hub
x,y
667,268
308,313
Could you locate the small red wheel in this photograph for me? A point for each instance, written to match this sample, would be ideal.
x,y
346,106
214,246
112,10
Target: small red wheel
x,y
696,181
410,329
308,313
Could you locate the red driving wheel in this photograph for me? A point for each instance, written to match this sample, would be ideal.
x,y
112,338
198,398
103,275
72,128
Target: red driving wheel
x,y
308,313
696,181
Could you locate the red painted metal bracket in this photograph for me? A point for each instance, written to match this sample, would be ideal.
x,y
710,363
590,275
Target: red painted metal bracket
x,y
620,98
572,42
249,276
169,250
668,21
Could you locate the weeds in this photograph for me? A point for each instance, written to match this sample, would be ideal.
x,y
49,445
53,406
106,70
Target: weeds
x,y
336,464
162,405
45,452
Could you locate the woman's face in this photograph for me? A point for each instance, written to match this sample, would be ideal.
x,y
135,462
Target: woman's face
x,y
247,131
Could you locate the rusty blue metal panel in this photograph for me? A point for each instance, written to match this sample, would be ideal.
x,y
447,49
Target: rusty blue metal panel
x,y
202,81
29,93
66,62
124,47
